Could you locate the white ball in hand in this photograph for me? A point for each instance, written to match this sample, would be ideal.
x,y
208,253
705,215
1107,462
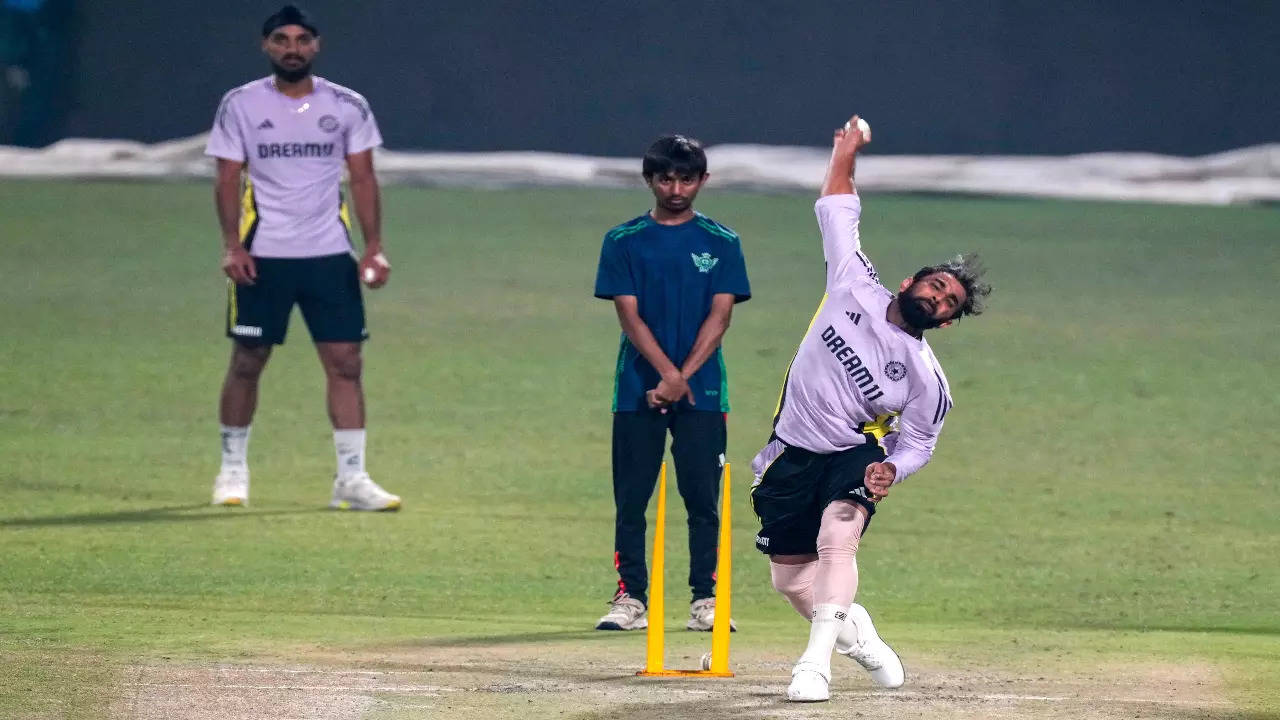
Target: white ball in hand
x,y
370,275
863,127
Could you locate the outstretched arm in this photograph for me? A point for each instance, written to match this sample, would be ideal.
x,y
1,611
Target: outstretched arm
x,y
839,208
844,148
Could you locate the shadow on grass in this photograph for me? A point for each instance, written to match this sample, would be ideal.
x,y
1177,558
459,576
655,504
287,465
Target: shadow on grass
x,y
176,513
506,639
1264,630
665,709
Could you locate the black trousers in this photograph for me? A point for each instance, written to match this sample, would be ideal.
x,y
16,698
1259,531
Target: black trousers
x,y
697,445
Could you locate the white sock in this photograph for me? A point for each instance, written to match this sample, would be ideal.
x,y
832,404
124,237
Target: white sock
x,y
235,447
827,622
848,636
849,631
350,447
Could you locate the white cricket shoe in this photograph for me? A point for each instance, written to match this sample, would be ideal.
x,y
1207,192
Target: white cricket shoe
x,y
358,491
625,613
231,487
809,683
872,653
702,616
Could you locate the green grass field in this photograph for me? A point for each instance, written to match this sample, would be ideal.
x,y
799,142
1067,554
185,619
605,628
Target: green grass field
x,y
1099,524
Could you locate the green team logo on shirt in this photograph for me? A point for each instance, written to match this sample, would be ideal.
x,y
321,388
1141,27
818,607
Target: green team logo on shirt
x,y
704,262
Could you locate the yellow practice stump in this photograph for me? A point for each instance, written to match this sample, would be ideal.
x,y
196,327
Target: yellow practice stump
x,y
655,639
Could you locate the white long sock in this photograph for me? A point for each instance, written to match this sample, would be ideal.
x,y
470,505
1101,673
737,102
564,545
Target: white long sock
x,y
349,445
848,631
235,447
795,582
848,636
827,622
836,579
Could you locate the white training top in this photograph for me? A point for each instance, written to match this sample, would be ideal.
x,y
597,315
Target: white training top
x,y
858,378
296,150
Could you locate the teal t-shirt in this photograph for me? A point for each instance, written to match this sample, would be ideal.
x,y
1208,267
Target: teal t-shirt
x,y
673,271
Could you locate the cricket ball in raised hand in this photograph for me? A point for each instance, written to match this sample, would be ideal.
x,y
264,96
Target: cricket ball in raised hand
x,y
862,126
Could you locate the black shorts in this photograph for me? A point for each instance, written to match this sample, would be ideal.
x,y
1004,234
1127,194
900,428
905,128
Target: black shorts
x,y
794,486
326,289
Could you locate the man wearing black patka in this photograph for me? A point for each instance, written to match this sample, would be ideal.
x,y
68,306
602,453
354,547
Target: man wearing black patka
x,y
281,144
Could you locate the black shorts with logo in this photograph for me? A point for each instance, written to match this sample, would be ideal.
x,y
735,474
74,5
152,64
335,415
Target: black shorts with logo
x,y
795,485
326,289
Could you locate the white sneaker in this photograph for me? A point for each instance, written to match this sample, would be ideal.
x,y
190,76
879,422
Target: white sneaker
x,y
231,487
702,616
625,613
809,684
358,491
872,653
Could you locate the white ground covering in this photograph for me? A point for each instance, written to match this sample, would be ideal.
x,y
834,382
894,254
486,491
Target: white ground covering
x,y
1247,175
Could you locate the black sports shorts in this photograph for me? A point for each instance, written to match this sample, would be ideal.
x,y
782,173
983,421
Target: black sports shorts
x,y
795,485
326,289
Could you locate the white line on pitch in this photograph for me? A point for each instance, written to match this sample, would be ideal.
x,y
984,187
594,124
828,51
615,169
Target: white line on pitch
x,y
1035,698
420,690
313,672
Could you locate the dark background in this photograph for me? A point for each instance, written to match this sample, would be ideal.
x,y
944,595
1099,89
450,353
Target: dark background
x,y
605,77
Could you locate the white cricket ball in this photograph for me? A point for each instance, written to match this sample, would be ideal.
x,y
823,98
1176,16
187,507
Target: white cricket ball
x,y
705,663
370,275
862,126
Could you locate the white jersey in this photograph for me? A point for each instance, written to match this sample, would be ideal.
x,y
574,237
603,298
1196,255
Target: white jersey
x,y
296,150
857,377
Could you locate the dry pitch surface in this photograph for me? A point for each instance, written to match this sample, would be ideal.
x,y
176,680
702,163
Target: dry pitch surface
x,y
597,682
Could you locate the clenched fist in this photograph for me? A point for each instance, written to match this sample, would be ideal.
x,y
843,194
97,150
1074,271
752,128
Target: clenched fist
x,y
879,478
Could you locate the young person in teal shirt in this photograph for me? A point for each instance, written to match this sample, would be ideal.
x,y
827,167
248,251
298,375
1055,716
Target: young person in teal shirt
x,y
674,276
